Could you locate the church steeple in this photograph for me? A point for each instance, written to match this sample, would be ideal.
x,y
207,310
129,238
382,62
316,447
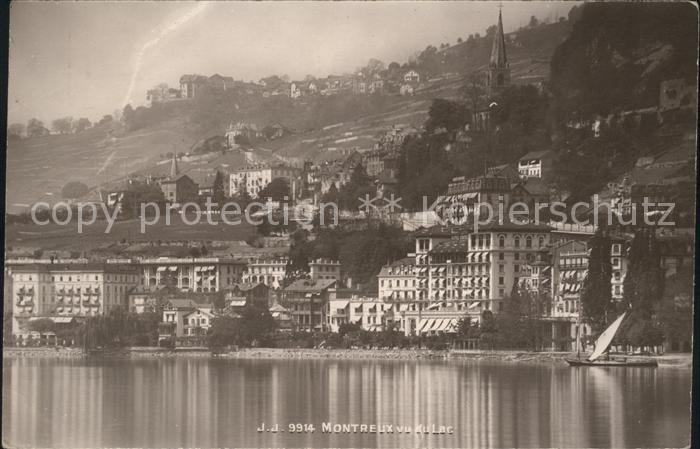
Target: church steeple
x,y
499,69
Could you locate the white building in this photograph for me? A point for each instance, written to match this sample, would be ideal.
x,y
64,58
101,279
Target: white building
x,y
269,271
195,274
63,291
536,164
253,179
324,269
398,280
372,314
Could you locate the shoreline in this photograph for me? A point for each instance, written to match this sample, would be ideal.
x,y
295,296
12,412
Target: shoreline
x,y
681,360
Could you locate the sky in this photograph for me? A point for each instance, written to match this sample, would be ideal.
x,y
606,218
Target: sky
x,y
87,59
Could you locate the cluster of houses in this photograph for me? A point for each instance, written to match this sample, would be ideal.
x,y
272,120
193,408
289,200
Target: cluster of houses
x,y
192,85
188,291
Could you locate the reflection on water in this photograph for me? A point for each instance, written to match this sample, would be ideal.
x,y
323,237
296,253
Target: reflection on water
x,y
215,403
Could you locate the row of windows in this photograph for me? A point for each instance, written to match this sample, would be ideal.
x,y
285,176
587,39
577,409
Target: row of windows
x,y
517,241
81,278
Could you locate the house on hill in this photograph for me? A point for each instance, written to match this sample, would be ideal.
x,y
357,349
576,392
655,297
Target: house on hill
x,y
536,164
179,190
412,76
220,82
191,84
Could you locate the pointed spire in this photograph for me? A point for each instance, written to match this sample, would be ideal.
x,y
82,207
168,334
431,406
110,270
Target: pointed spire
x,y
174,170
498,51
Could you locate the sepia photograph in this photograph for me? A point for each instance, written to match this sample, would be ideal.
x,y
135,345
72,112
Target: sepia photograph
x,y
349,224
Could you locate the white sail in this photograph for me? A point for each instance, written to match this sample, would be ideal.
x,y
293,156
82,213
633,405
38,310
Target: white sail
x,y
602,343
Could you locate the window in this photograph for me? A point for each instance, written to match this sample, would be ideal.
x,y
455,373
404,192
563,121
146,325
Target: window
x,y
616,262
516,242
517,256
501,256
500,280
528,242
616,275
616,248
501,241
540,241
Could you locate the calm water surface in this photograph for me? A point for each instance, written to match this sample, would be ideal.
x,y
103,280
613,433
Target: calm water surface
x,y
215,403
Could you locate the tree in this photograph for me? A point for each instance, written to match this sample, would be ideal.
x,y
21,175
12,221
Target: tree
x,y
63,125
277,190
35,128
643,290
15,131
219,194
74,190
533,22
106,119
596,293
128,116
81,125
446,114
359,186
42,325
644,282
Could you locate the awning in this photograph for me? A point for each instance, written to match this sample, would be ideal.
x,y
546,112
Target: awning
x,y
436,325
403,307
423,270
173,268
425,324
197,268
443,325
162,268
441,269
340,305
474,305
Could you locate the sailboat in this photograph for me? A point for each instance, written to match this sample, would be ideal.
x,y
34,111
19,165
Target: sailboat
x,y
601,347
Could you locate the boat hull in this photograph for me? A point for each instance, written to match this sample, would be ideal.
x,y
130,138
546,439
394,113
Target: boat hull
x,y
631,363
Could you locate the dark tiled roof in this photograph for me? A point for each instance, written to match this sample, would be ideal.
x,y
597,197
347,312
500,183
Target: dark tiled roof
x,y
305,285
451,247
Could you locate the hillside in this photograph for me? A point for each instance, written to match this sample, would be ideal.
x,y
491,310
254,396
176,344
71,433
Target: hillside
x,y
38,168
618,53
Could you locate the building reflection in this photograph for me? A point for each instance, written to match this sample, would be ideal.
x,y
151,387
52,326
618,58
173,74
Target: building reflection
x,y
217,403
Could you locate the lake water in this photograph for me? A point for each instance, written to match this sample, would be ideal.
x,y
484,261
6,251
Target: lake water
x,y
216,403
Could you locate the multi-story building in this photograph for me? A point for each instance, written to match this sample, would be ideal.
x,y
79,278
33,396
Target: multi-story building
x,y
398,280
462,271
466,198
324,269
67,290
250,292
371,314
195,274
253,179
269,271
307,303
184,317
536,164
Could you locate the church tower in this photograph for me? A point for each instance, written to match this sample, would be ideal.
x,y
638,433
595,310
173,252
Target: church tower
x,y
499,69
